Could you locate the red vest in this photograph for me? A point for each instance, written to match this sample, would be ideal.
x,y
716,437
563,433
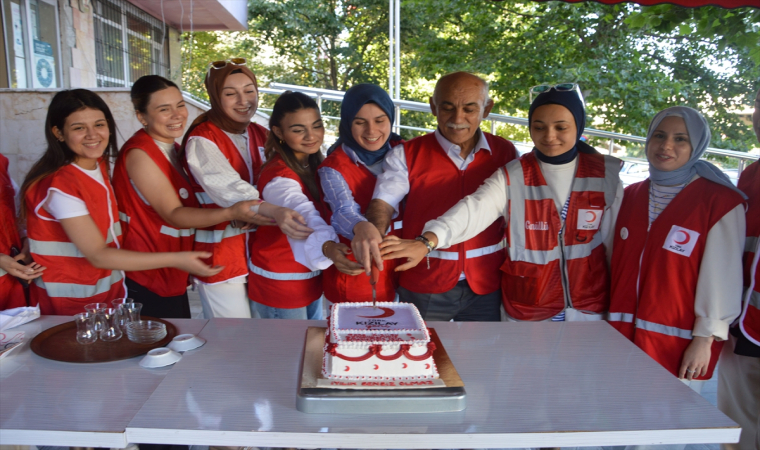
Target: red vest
x,y
144,230
70,281
655,273
275,278
12,293
749,321
226,243
338,286
435,185
551,267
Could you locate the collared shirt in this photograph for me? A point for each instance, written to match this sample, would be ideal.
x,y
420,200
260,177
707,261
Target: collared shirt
x,y
393,184
346,212
214,173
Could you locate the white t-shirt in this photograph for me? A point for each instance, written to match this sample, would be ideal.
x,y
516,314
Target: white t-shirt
x,y
64,206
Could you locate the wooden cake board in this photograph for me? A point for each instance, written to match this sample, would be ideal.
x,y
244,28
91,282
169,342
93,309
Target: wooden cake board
x,y
311,398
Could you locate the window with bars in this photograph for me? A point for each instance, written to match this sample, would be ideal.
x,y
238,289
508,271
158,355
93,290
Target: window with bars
x,y
128,43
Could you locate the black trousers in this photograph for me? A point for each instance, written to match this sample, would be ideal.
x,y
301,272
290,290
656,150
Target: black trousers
x,y
177,307
460,304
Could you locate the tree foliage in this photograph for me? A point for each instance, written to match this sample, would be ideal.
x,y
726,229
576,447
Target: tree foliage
x,y
630,61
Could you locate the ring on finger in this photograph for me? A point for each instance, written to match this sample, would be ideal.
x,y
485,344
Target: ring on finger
x,y
690,371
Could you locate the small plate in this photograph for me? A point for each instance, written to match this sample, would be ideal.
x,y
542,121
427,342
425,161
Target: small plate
x,y
185,342
160,357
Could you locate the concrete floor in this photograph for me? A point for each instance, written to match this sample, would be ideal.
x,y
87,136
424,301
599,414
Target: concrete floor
x,y
709,391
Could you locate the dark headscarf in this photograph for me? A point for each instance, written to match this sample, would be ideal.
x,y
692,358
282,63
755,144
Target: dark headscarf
x,y
573,103
355,98
214,82
699,137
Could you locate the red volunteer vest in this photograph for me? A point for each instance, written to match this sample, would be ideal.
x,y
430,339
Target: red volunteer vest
x,y
70,281
338,286
144,230
435,185
543,273
226,243
655,273
12,293
275,278
749,321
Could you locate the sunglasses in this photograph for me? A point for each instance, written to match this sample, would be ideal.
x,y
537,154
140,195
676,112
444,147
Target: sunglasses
x,y
561,87
223,63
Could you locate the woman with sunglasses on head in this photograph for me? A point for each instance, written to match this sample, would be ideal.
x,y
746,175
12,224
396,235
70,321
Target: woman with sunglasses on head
x,y
348,176
677,264
224,152
72,217
285,281
560,202
158,211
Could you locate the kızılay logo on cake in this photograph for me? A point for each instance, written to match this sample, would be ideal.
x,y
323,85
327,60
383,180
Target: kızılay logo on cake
x,y
379,320
589,219
681,240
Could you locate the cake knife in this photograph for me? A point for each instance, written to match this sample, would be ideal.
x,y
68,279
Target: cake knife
x,y
375,275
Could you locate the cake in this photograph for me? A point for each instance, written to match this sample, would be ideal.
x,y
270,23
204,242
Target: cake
x,y
388,343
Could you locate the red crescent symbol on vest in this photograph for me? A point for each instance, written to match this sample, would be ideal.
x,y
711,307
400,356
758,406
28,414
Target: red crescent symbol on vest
x,y
593,216
387,312
686,239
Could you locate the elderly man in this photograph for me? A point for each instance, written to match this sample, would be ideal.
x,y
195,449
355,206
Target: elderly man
x,y
739,373
433,172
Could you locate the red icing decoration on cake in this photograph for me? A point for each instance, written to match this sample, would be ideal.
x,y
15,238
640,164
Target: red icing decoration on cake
x,y
374,350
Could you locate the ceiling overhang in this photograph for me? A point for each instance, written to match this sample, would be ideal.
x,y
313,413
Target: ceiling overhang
x,y
207,15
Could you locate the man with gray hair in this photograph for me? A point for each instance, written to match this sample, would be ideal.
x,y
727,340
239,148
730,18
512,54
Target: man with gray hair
x,y
431,173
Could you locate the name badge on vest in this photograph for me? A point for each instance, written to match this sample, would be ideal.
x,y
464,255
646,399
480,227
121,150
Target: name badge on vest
x,y
589,219
183,193
681,240
261,153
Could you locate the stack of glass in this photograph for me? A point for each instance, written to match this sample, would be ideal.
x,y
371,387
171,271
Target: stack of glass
x,y
146,331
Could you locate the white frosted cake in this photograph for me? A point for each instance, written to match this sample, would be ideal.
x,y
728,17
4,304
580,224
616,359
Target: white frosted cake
x,y
387,343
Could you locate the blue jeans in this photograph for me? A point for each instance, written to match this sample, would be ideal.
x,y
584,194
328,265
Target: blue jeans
x,y
311,312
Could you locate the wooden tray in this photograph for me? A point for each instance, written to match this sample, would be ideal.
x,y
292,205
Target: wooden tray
x,y
59,343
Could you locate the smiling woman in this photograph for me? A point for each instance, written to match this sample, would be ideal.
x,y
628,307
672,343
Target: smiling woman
x,y
72,218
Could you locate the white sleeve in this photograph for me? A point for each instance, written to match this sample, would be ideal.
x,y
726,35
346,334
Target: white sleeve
x,y
393,184
472,214
64,206
718,300
287,192
608,222
214,173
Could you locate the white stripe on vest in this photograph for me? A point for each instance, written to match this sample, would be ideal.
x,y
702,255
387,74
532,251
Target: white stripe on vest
x,y
663,329
620,317
72,290
173,232
53,248
282,276
204,199
216,236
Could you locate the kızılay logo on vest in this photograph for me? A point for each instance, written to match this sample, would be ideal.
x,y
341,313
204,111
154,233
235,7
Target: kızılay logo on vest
x,y
681,240
541,226
589,219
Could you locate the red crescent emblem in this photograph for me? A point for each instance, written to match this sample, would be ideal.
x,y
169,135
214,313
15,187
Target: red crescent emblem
x,y
403,365
376,367
387,312
686,239
593,216
346,369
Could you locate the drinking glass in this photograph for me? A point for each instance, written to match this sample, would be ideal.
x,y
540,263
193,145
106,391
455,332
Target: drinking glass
x,y
133,311
86,333
123,316
96,309
111,330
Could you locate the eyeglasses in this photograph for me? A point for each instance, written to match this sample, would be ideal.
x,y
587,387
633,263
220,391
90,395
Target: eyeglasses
x,y
223,63
562,87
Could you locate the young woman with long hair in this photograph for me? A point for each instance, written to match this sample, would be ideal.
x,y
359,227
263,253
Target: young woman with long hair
x,y
224,152
72,217
285,274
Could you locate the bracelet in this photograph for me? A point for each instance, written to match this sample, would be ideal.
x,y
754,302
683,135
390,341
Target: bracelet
x,y
429,246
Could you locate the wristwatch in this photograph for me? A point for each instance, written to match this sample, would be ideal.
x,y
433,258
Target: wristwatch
x,y
425,241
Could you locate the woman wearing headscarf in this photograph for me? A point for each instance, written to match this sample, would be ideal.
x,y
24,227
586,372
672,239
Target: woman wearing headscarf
x,y
348,176
677,264
224,153
560,202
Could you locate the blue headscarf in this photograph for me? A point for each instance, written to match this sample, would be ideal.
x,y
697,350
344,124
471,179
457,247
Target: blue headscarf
x,y
699,136
356,97
573,103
